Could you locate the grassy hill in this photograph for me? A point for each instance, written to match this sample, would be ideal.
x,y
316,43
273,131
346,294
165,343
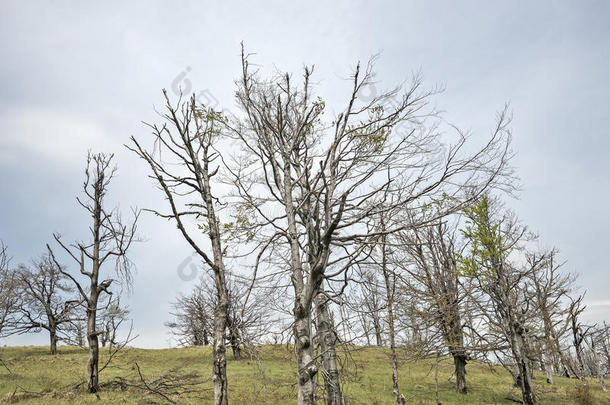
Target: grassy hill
x,y
36,377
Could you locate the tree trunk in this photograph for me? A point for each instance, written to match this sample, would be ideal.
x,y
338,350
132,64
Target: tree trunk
x,y
235,347
455,340
220,355
389,288
329,355
523,366
600,372
306,367
548,367
92,340
53,340
378,337
459,360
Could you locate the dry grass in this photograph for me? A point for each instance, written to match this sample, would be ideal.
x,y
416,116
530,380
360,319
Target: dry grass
x,y
267,377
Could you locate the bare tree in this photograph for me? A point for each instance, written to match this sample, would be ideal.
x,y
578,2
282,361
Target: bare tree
x,y
599,344
389,278
110,239
493,237
75,332
579,333
370,305
9,296
187,136
435,281
550,289
312,183
111,319
47,301
192,323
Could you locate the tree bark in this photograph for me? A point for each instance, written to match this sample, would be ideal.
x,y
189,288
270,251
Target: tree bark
x,y
306,367
523,365
221,393
459,360
328,341
53,338
548,366
220,355
235,348
92,340
378,337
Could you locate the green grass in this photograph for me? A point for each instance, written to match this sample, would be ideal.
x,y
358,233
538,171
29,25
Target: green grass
x,y
270,380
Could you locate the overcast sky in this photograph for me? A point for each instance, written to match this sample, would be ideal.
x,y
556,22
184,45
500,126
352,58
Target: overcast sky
x,y
76,76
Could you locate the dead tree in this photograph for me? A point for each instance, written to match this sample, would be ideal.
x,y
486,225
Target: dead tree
x,y
312,183
390,287
368,302
436,282
193,315
75,332
550,289
192,323
579,334
327,338
599,344
186,138
111,319
493,236
47,301
10,299
110,239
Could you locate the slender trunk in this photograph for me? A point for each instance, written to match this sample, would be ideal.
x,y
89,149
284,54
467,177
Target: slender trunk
x,y
92,340
438,400
220,355
221,393
329,354
378,338
306,367
389,288
219,369
365,328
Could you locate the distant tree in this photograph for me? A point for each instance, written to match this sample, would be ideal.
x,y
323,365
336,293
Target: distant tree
x,y
110,320
550,289
76,330
579,332
47,299
9,296
192,323
599,344
110,238
193,316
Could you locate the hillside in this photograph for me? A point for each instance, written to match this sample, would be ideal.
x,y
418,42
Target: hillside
x,y
33,373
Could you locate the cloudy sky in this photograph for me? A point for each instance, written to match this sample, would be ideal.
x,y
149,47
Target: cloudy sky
x,y
76,76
